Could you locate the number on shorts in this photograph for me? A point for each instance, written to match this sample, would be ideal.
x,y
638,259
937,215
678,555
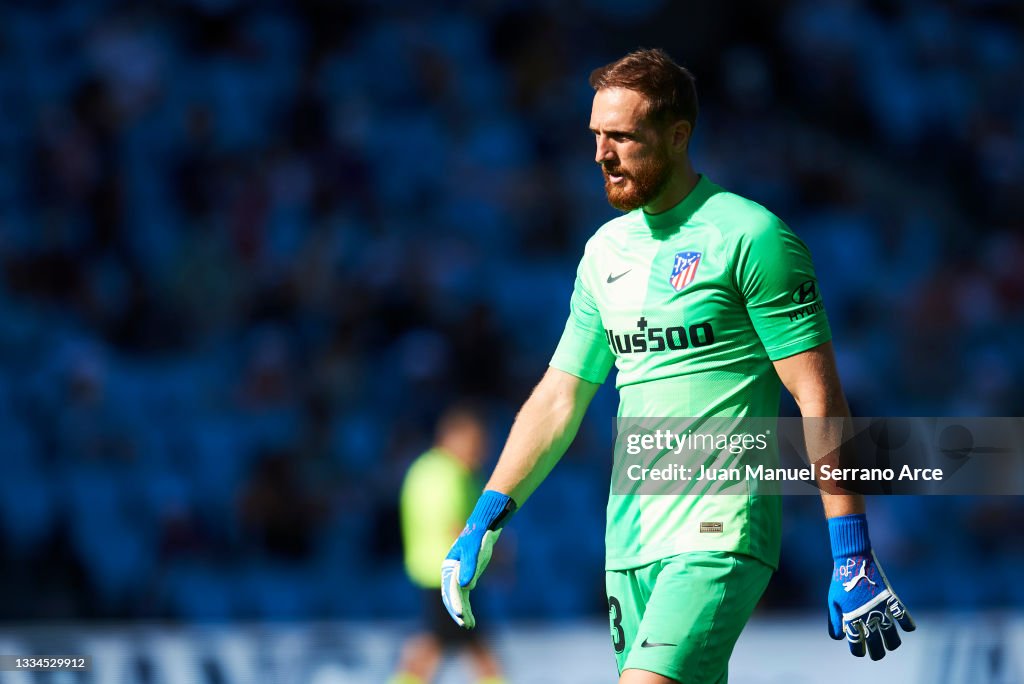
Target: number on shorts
x,y
615,614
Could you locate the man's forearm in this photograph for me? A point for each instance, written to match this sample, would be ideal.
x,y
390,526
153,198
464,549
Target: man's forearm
x,y
540,435
826,422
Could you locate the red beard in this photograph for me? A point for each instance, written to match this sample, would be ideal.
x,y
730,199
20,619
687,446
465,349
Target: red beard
x,y
639,186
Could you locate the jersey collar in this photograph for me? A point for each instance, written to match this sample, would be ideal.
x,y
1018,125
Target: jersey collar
x,y
681,213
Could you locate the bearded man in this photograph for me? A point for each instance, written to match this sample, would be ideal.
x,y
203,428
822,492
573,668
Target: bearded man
x,y
706,302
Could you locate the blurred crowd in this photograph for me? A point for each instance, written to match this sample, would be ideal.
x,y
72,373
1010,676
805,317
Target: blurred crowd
x,y
248,251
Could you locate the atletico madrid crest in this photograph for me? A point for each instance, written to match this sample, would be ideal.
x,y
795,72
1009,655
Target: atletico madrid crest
x,y
684,269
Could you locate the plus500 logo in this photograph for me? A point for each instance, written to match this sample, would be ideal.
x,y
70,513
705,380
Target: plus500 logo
x,y
648,339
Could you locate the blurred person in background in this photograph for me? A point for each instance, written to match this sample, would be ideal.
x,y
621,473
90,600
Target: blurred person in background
x,y
704,300
437,496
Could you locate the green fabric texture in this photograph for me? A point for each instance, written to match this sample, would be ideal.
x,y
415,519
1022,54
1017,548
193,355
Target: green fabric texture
x,y
681,616
698,344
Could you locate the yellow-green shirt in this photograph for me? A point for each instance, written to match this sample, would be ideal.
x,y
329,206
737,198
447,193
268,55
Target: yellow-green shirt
x,y
437,496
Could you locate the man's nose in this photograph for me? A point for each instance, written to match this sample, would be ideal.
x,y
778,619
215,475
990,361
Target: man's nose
x,y
604,151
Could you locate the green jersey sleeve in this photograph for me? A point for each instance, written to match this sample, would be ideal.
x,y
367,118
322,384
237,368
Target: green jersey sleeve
x,y
775,276
583,349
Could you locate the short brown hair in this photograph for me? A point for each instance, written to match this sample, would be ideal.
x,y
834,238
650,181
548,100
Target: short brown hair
x,y
670,89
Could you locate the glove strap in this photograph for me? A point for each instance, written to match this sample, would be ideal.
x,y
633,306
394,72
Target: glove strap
x,y
849,535
492,510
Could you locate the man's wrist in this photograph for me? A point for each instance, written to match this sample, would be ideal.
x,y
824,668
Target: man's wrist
x,y
849,535
493,509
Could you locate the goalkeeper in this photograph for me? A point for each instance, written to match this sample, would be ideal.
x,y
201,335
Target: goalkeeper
x,y
705,302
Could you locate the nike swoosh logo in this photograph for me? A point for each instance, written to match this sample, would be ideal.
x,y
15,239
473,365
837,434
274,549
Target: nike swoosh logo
x,y
647,644
612,279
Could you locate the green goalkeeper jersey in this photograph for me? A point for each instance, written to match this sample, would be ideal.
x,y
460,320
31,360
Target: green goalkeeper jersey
x,y
692,306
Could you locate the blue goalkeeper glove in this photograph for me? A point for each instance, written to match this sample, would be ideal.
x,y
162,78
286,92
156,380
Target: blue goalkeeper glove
x,y
471,552
861,604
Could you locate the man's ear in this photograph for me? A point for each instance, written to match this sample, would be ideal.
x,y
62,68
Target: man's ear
x,y
680,135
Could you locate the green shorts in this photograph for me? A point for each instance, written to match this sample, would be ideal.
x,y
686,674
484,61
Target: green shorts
x,y
681,616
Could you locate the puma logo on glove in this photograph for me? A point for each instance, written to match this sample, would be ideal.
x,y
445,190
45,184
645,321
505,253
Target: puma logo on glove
x,y
850,584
